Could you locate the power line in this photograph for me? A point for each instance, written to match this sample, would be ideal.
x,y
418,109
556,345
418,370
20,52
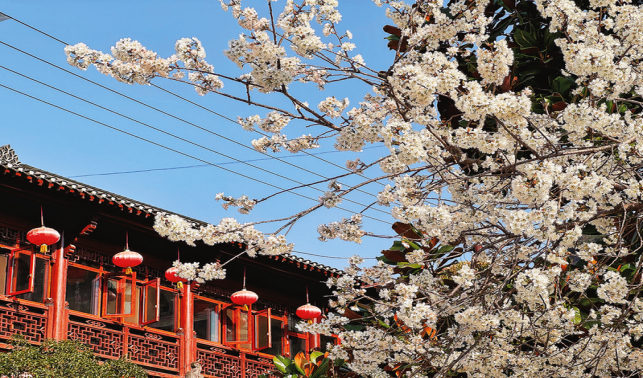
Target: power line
x,y
184,99
179,137
198,165
176,151
260,133
193,124
332,257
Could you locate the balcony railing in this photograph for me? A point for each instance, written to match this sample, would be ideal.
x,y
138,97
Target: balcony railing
x,y
28,320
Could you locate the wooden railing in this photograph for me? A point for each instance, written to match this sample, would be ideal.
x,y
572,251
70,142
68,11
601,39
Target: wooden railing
x,y
219,361
156,351
28,320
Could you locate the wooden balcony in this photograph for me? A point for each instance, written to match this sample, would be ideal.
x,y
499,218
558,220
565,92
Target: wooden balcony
x,y
157,351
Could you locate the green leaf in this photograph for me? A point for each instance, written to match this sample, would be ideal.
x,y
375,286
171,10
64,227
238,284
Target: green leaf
x,y
524,39
339,362
578,317
563,85
314,355
445,249
385,260
383,324
397,246
282,363
501,27
321,369
353,327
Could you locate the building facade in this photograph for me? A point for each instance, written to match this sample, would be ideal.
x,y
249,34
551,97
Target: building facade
x,y
74,291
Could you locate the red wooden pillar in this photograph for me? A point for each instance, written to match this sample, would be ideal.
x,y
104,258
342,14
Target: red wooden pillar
x,y
188,350
58,314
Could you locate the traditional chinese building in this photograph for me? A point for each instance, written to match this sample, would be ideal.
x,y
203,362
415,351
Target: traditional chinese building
x,y
74,291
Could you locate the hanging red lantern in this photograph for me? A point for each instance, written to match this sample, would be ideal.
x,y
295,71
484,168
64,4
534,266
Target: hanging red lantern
x,y
244,297
127,259
43,236
172,276
172,273
308,312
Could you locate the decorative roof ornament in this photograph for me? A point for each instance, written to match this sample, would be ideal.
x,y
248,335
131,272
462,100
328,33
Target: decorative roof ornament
x,y
7,154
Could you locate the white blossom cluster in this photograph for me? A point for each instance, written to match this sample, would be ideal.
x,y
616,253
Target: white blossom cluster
x,y
277,142
228,230
132,63
539,191
244,203
347,229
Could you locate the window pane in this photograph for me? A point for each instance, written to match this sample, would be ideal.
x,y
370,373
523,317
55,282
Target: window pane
x,y
292,322
151,295
297,345
80,289
4,259
166,318
237,329
114,296
129,302
261,331
244,329
277,334
229,325
41,279
21,272
206,320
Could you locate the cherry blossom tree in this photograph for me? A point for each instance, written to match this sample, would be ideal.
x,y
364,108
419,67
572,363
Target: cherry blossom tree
x,y
514,162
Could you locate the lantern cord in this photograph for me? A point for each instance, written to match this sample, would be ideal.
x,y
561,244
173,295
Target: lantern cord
x,y
42,218
244,277
307,300
126,241
178,254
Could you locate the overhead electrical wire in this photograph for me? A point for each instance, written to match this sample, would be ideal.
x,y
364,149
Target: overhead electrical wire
x,y
181,119
331,257
173,150
179,137
197,165
177,151
193,103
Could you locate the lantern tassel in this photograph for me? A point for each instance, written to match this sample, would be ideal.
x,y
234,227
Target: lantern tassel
x,y
179,285
43,248
310,321
245,307
128,270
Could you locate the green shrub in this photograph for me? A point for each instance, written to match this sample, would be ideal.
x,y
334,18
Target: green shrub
x,y
62,359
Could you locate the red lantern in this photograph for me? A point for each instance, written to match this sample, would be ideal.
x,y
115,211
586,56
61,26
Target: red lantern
x,y
244,297
308,312
172,276
43,236
127,259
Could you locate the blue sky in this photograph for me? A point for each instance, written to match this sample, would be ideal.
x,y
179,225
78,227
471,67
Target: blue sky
x,y
69,145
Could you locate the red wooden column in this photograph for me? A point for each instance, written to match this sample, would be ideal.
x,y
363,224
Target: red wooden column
x,y
58,314
188,349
